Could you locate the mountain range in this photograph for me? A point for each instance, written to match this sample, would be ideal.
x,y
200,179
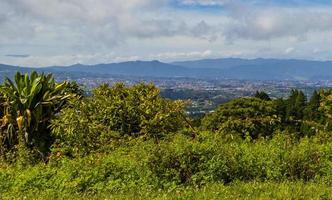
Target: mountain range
x,y
231,68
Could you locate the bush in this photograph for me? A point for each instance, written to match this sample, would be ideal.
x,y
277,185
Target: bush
x,y
179,163
245,116
182,160
27,105
112,113
129,142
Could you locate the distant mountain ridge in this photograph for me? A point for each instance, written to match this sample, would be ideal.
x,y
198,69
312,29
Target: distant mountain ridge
x,y
274,69
138,68
232,68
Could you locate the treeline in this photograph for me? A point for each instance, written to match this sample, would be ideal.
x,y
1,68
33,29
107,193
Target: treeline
x,y
128,138
39,116
261,116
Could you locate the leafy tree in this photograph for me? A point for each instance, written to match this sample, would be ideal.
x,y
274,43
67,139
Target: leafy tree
x,y
294,111
281,108
244,116
326,109
114,112
312,117
27,105
74,88
300,104
262,95
295,105
311,112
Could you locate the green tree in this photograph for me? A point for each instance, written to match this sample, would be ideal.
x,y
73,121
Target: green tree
x,y
281,107
312,117
112,113
262,95
326,109
74,88
295,105
311,112
244,116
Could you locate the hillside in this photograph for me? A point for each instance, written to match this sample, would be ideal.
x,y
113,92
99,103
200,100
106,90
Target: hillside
x,y
129,142
232,68
265,69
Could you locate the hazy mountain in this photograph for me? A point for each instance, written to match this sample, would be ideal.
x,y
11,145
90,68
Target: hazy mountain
x,y
9,68
264,69
254,69
9,71
224,63
138,68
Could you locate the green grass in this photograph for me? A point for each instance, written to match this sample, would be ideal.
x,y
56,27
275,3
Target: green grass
x,y
236,190
180,167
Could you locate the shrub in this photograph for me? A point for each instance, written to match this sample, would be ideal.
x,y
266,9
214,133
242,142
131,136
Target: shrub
x,y
114,112
208,158
244,116
27,106
178,163
180,160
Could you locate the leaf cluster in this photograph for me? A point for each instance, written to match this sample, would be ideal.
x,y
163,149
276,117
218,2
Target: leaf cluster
x,y
112,113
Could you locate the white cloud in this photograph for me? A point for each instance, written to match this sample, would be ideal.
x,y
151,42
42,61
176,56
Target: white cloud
x,y
65,60
269,23
91,23
52,31
205,2
182,55
289,50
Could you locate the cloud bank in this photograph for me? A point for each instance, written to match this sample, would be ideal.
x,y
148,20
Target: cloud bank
x,y
93,31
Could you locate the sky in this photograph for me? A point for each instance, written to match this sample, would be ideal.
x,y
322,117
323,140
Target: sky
x,y
64,32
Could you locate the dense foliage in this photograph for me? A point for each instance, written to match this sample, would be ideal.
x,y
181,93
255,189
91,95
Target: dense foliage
x,y
180,163
245,116
27,106
129,142
262,95
261,116
114,112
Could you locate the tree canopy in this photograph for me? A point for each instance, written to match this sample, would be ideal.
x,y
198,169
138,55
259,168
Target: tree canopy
x,y
118,111
252,116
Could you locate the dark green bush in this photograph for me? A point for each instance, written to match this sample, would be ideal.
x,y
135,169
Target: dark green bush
x,y
183,160
128,140
245,116
178,161
115,112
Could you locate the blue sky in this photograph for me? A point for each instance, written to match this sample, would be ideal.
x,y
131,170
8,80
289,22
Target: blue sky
x,y
57,32
201,4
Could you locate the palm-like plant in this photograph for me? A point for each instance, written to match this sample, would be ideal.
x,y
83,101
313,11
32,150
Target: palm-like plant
x,y
27,105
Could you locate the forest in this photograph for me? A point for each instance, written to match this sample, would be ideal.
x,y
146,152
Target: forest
x,y
128,142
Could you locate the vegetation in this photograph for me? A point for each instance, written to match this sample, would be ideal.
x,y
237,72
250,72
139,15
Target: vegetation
x,y
262,95
112,113
244,116
128,142
28,104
